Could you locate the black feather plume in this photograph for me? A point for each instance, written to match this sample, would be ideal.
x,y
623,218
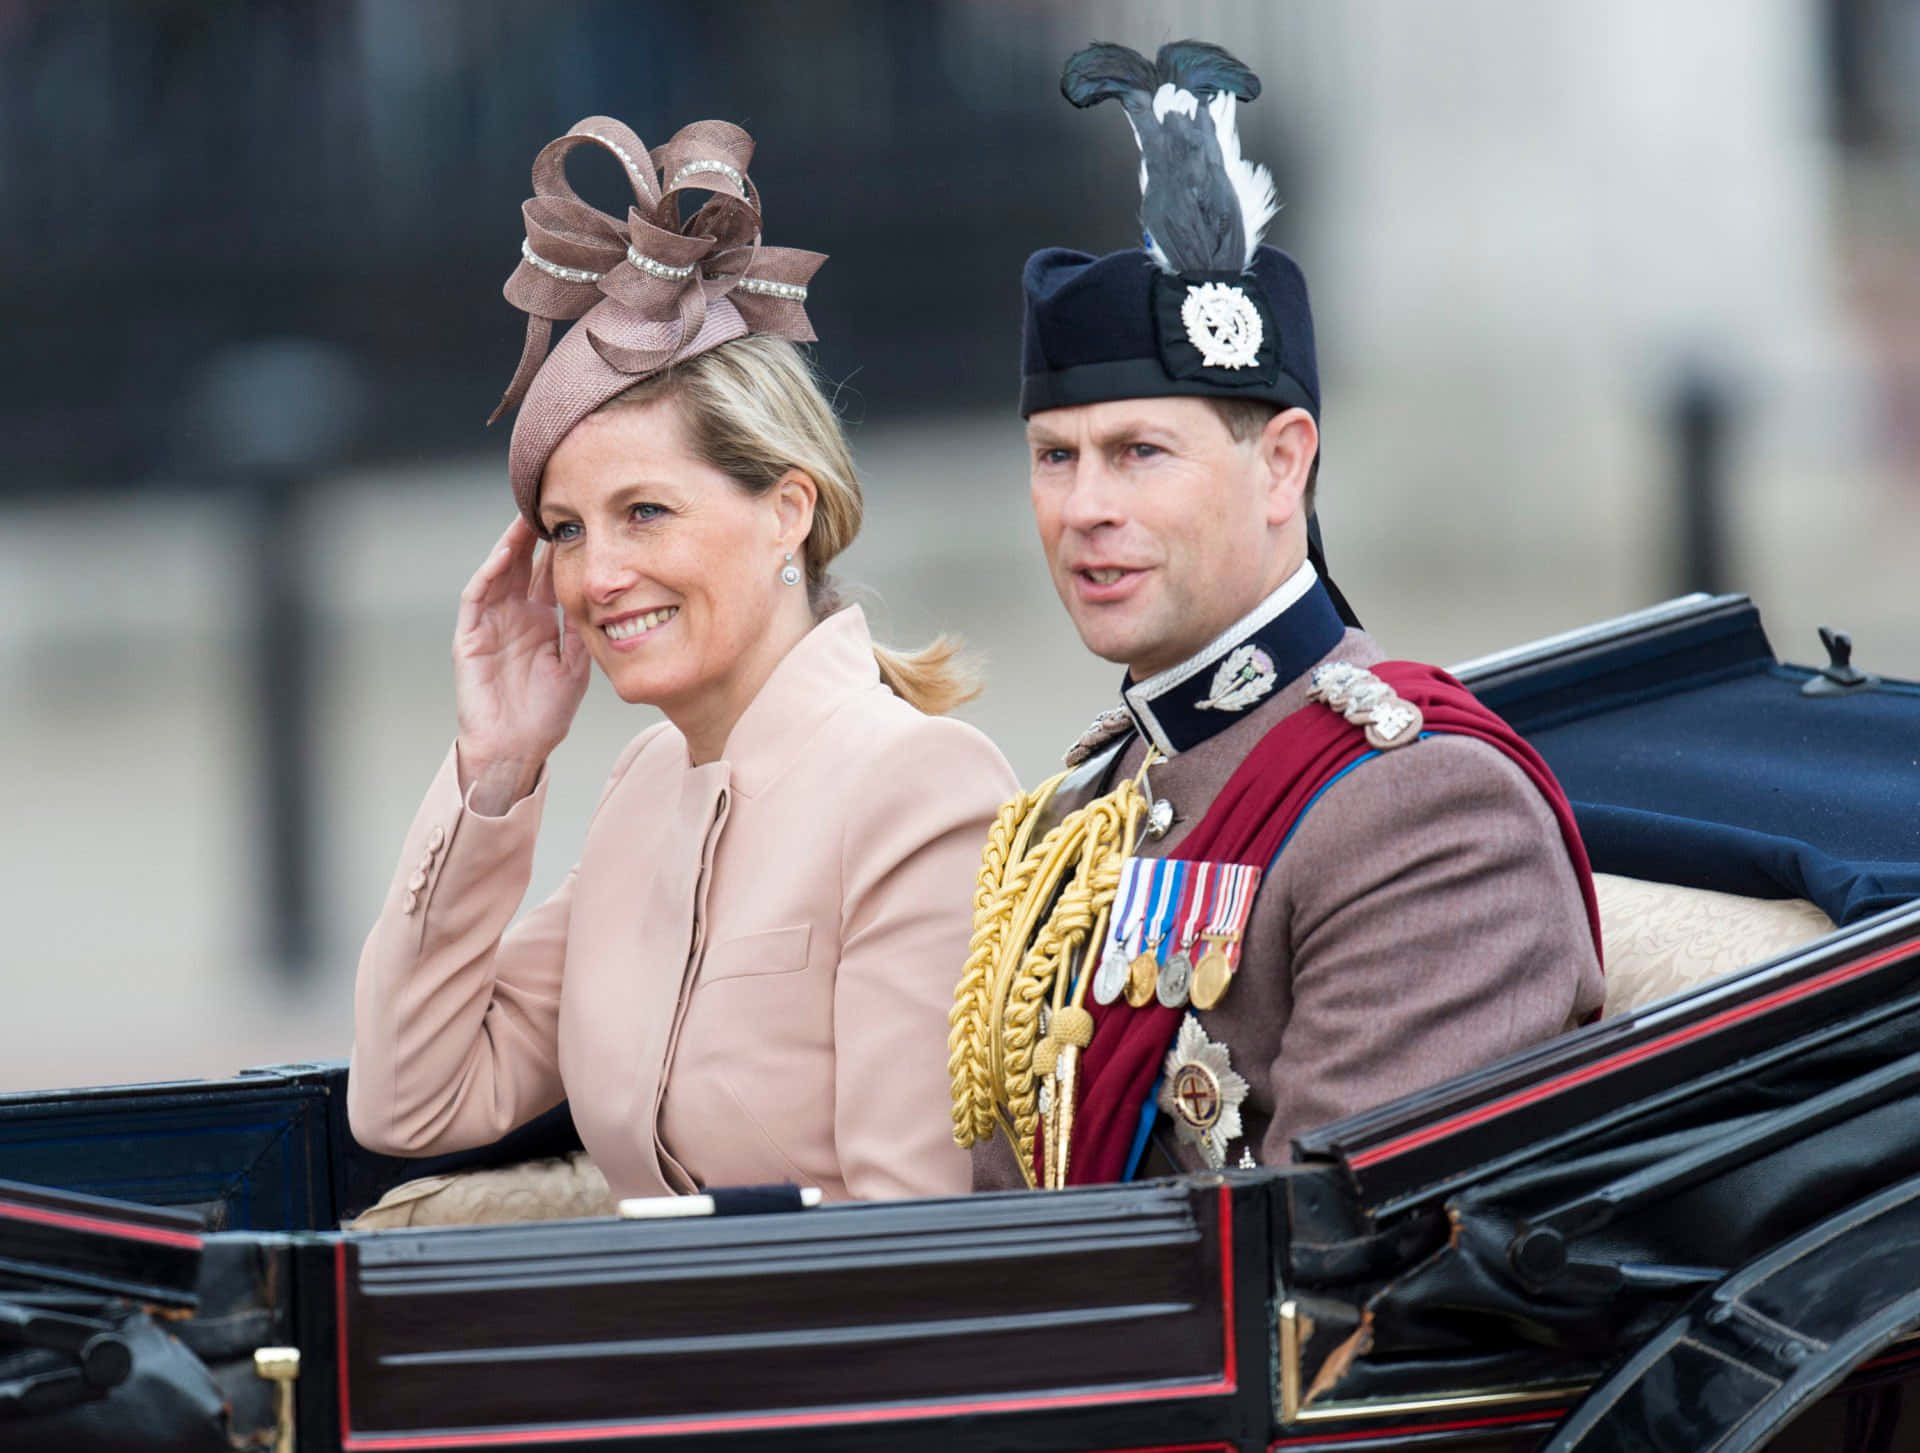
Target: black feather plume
x,y
1102,71
1206,70
1201,205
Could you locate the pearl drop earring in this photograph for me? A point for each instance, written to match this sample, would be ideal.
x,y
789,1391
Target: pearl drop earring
x,y
790,575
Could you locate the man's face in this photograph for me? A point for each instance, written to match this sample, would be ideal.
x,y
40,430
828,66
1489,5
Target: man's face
x,y
1161,529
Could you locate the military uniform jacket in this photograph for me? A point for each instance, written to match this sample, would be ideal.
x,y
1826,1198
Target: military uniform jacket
x,y
1423,920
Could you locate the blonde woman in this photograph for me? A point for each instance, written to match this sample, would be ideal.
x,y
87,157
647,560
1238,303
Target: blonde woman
x,y
746,977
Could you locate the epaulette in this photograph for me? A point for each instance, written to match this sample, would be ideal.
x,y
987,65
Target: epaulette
x,y
1110,724
1367,701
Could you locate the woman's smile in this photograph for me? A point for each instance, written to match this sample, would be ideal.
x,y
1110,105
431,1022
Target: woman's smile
x,y
625,632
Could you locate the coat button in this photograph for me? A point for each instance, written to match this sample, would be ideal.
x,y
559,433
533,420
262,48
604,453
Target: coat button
x,y
1159,818
436,840
416,883
413,901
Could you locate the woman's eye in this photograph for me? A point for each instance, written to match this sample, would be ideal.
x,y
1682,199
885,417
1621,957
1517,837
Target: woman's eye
x,y
567,530
644,512
1143,451
1056,456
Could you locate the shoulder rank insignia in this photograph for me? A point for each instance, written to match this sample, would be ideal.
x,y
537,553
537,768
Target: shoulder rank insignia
x,y
1365,700
1243,678
1106,726
1202,1092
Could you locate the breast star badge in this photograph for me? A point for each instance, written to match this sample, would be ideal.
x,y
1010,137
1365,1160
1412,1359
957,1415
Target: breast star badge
x,y
1202,1092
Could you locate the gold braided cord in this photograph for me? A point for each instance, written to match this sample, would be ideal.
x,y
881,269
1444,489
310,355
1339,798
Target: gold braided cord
x,y
995,891
1095,830
1037,912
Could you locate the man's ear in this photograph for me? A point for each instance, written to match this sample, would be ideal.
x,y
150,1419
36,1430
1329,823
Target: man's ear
x,y
793,497
1287,447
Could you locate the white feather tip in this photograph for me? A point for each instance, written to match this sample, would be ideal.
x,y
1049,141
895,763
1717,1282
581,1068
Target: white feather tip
x,y
1252,183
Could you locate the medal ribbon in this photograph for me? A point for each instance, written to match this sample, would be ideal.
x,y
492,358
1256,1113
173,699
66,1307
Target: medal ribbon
x,y
1168,922
1230,907
1205,877
1120,933
1165,877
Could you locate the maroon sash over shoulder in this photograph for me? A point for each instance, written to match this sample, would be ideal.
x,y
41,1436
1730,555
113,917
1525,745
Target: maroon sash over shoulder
x,y
1248,823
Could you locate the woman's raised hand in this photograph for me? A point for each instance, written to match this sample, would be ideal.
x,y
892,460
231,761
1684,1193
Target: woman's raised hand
x,y
517,680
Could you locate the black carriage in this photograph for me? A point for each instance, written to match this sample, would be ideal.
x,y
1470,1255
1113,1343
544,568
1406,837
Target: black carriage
x,y
1692,1225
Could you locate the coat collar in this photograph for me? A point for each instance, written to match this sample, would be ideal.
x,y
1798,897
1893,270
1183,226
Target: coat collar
x,y
826,668
1275,642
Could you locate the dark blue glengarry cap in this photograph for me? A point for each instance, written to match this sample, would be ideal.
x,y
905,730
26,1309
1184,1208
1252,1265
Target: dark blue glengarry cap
x,y
1120,327
1202,308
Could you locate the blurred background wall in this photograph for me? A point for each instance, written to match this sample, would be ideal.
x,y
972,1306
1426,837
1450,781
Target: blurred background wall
x,y
250,259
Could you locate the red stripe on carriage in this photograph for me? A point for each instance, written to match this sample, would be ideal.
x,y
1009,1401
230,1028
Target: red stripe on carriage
x,y
1541,1416
100,1226
1599,1069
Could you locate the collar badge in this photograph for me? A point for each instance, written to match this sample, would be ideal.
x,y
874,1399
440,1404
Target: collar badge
x,y
1222,322
1202,1092
1243,678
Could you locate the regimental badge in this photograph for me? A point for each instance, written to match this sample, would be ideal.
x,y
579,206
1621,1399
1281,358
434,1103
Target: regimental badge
x,y
1223,324
1202,1092
1243,678
1365,700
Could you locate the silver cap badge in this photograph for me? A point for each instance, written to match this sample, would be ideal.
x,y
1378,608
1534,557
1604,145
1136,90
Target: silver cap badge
x,y
1222,322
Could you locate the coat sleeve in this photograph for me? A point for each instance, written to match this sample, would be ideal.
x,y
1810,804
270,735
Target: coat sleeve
x,y
1436,926
456,1016
910,858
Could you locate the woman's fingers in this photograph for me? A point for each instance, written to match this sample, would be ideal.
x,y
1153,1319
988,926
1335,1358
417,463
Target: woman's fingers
x,y
573,650
490,568
521,543
540,591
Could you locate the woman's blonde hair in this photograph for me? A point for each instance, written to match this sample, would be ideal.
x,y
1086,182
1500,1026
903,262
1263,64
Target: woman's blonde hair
x,y
754,410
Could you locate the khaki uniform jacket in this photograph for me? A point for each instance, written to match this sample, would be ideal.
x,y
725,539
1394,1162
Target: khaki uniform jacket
x,y
744,980
1423,921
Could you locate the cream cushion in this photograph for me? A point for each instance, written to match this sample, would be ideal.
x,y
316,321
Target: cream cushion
x,y
1661,938
563,1188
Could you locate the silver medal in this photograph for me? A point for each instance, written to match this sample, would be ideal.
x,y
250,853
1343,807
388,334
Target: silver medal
x,y
1110,979
1176,978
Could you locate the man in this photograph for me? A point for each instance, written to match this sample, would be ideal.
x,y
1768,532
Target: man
x,y
1345,883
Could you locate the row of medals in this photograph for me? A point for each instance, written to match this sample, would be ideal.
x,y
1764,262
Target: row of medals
x,y
1176,983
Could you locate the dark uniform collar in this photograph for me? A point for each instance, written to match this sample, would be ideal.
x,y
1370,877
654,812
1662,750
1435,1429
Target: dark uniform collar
x,y
1241,667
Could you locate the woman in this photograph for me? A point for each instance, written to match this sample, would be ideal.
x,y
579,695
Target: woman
x,y
746,977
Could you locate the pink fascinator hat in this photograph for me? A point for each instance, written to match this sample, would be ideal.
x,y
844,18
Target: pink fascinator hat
x,y
648,292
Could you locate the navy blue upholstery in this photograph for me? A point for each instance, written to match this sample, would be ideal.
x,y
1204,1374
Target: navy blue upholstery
x,y
1744,785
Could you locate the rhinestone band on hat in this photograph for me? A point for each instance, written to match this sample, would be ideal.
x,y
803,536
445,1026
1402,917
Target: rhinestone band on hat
x,y
657,268
693,168
553,269
618,150
792,292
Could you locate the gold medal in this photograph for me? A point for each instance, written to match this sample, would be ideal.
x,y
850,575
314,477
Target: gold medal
x,y
1213,975
1210,979
1143,979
